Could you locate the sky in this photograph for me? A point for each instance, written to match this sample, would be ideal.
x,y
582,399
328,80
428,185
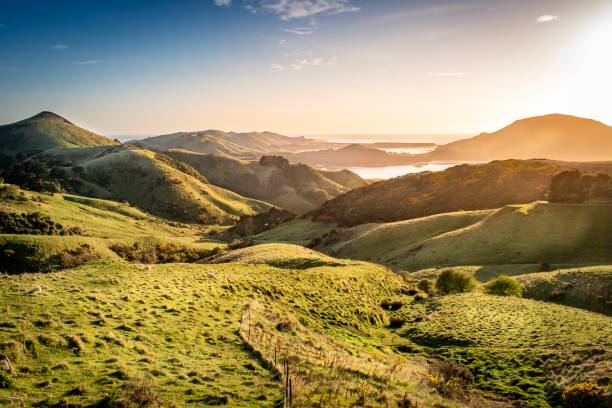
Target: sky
x,y
304,67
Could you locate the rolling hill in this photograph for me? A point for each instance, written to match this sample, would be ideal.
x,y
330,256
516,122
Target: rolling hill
x,y
555,136
463,187
46,130
231,144
297,188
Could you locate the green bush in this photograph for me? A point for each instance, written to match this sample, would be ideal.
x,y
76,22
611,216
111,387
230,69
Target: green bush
x,y
6,380
427,285
582,395
451,280
504,286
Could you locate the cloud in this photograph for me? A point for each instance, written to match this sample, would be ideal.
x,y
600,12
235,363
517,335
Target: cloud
x,y
59,47
277,67
223,3
7,67
290,9
449,74
2,25
87,62
303,63
546,18
282,41
299,31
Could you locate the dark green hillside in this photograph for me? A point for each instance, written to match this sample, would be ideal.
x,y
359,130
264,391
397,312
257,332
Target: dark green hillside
x,y
464,187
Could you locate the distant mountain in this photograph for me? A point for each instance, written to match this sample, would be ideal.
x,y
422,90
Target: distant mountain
x,y
463,187
232,144
559,137
353,155
298,188
46,131
148,180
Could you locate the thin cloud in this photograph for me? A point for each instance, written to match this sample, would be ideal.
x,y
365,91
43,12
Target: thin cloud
x,y
449,74
293,9
303,63
59,47
546,18
424,12
223,3
277,67
299,31
2,25
87,62
7,67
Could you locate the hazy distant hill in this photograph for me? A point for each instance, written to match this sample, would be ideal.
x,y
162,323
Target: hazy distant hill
x,y
353,155
298,188
559,137
46,131
464,187
251,144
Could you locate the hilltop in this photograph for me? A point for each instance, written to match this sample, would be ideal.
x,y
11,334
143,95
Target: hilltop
x,y
298,188
555,136
463,187
43,131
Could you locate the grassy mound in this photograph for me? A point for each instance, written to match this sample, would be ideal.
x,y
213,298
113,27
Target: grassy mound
x,y
586,287
279,255
520,348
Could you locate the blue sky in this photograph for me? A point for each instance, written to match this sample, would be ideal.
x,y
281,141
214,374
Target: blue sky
x,y
304,66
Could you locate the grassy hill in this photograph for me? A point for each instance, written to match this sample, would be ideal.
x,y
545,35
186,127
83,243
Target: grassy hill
x,y
150,181
99,229
297,188
46,131
353,155
560,137
464,187
221,334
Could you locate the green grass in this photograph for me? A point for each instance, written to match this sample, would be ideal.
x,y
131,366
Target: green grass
x,y
97,326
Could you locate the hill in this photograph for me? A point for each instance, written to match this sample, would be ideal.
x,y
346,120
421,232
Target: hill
x,y
559,137
463,187
46,131
231,144
150,181
298,188
517,234
353,155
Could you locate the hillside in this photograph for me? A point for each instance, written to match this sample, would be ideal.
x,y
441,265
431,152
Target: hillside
x,y
48,231
559,137
150,181
517,234
297,188
231,144
223,334
354,155
46,131
463,187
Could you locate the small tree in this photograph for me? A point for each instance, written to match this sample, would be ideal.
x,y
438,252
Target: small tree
x,y
451,280
504,286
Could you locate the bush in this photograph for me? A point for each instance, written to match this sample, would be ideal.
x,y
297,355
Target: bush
x,y
451,280
139,392
582,395
6,380
450,379
545,267
428,286
504,286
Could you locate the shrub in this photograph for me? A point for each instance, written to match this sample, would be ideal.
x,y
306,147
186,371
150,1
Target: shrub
x,y
428,286
6,380
139,392
504,286
450,379
451,280
545,267
582,395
